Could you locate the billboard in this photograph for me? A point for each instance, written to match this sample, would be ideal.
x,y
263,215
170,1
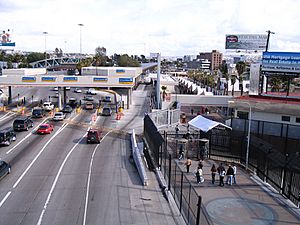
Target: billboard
x,y
246,41
5,39
281,62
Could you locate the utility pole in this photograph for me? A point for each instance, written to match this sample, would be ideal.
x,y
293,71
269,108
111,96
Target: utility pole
x,y
80,25
268,39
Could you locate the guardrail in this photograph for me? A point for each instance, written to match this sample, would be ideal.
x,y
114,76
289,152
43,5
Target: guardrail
x,y
138,159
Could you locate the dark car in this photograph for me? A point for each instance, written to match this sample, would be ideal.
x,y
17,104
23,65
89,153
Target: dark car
x,y
106,111
73,102
38,112
93,136
106,99
7,136
67,109
23,123
4,169
88,98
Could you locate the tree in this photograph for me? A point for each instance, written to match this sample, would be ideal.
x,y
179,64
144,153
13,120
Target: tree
x,y
84,63
126,61
241,68
233,78
224,70
100,51
35,56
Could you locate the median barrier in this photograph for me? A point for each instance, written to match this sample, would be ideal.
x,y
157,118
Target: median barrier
x,y
138,159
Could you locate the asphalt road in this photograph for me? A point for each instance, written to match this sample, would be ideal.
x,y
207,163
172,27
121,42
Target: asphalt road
x,y
59,179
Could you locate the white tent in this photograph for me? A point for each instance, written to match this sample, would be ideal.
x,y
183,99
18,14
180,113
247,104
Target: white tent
x,y
201,123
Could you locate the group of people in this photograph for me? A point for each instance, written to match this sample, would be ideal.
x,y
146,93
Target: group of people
x,y
230,173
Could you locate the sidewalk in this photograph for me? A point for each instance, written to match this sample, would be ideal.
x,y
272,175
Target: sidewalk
x,y
249,202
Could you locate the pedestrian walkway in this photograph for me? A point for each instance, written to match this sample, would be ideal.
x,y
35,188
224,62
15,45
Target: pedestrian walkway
x,y
249,202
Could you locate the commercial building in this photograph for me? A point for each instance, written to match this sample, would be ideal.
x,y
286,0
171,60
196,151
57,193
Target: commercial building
x,y
215,57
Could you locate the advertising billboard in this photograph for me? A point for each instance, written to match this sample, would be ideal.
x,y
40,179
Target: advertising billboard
x,y
281,62
246,41
5,39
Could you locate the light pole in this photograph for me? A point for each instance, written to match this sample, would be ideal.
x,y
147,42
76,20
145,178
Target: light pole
x,y
249,131
45,33
80,25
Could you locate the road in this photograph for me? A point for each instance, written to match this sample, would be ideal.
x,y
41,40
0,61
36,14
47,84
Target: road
x,y
59,179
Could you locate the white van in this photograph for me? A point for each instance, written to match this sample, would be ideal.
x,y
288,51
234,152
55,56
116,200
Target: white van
x,y
48,106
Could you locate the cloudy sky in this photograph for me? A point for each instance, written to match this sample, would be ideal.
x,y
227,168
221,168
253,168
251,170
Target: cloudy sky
x,y
172,27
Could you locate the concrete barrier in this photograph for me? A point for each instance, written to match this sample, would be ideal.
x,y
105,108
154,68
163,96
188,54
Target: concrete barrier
x,y
138,159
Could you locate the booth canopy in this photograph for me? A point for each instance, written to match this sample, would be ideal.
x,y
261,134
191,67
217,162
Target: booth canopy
x,y
201,123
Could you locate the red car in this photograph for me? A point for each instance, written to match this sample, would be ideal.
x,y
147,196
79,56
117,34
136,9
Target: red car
x,y
45,129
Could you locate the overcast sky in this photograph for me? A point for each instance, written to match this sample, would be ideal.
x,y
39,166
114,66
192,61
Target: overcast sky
x,y
172,27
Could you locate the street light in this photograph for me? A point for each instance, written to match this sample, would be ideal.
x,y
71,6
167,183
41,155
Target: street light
x,y
45,33
249,130
80,25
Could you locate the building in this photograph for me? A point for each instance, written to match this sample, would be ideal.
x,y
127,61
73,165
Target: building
x,y
201,64
215,57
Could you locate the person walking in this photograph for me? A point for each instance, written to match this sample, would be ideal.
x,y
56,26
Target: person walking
x,y
188,163
229,175
181,152
199,174
234,173
176,131
221,171
213,173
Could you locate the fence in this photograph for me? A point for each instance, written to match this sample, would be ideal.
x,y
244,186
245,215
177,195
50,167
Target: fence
x,y
165,117
279,167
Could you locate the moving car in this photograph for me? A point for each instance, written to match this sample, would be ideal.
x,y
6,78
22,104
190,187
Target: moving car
x,y
106,111
45,129
5,169
22,123
58,116
55,89
48,106
89,105
106,99
68,88
93,136
91,91
67,109
7,136
73,102
38,112
88,98
77,90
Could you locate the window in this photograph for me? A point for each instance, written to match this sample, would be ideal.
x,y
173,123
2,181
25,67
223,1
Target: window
x,y
285,118
297,119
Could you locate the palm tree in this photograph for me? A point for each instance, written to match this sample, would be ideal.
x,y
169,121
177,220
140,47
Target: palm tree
x,y
241,68
224,70
233,78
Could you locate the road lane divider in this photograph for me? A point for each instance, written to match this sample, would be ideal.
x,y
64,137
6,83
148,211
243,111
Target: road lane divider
x,y
56,179
38,155
27,136
6,116
89,180
4,199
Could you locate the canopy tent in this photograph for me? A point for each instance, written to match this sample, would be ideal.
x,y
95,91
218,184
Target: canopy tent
x,y
201,123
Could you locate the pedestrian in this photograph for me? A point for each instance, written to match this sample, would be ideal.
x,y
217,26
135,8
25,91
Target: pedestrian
x,y
176,131
221,171
200,164
229,175
213,173
199,175
181,152
234,173
192,111
188,163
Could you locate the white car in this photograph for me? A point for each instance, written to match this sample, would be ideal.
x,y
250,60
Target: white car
x,y
91,91
77,90
58,116
48,106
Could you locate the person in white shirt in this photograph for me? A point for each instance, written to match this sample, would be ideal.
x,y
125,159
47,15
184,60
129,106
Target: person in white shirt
x,y
234,173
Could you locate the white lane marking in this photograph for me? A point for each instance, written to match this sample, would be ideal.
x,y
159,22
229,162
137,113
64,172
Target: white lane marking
x,y
4,199
28,135
55,181
37,156
89,179
6,116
